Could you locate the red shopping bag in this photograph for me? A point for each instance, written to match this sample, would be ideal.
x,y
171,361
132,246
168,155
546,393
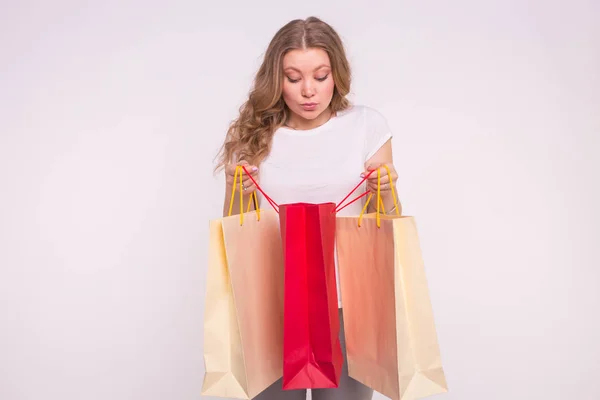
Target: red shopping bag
x,y
312,355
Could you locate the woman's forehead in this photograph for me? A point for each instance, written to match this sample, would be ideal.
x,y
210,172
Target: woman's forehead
x,y
306,60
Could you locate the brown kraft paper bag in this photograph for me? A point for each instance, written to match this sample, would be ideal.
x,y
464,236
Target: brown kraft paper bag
x,y
391,339
243,319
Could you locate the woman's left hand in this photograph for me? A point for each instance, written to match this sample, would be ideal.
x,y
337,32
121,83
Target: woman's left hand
x,y
386,181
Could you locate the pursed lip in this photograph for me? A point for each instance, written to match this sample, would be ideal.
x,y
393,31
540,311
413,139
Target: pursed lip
x,y
309,104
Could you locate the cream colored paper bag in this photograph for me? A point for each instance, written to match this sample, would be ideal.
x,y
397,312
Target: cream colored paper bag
x,y
391,339
243,320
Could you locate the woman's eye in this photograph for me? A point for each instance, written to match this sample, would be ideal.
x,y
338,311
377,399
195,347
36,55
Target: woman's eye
x,y
321,79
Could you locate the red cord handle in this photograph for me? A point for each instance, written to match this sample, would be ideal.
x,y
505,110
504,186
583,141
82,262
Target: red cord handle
x,y
337,207
270,200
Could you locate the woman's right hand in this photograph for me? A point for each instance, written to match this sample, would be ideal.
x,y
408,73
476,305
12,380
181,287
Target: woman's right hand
x,y
247,185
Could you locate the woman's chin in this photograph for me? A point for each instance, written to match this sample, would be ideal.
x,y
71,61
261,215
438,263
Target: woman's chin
x,y
309,114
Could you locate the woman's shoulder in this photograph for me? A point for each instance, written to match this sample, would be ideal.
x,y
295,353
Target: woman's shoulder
x,y
367,126
364,117
362,111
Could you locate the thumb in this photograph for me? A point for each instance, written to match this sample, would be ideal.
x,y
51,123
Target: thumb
x,y
246,164
373,165
370,167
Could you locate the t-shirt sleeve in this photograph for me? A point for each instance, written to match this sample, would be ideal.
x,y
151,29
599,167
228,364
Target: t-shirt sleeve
x,y
378,132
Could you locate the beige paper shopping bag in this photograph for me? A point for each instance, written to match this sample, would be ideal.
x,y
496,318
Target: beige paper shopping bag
x,y
243,320
391,339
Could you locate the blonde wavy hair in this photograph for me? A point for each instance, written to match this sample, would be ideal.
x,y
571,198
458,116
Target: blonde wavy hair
x,y
249,137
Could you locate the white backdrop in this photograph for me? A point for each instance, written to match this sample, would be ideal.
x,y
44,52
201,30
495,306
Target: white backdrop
x,y
111,113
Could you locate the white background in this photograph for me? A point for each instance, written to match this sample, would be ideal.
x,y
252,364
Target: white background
x,y
111,113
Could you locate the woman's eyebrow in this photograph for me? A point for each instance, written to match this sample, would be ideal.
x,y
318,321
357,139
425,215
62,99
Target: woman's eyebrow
x,y
316,69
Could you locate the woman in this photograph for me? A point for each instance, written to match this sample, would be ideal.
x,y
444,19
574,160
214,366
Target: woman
x,y
303,141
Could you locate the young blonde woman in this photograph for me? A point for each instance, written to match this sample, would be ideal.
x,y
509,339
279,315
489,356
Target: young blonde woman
x,y
303,141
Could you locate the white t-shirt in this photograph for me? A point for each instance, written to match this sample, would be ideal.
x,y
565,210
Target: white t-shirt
x,y
324,164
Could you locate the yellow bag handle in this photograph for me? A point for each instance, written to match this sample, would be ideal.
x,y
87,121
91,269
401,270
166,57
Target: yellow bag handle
x,y
393,192
239,171
379,199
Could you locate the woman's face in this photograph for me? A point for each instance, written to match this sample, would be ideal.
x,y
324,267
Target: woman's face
x,y
307,86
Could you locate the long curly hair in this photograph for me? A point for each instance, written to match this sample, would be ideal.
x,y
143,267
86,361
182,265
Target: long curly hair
x,y
249,137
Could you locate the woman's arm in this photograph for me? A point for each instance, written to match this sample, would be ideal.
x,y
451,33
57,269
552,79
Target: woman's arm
x,y
383,157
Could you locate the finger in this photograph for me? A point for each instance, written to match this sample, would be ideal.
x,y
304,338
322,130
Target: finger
x,y
251,169
370,173
377,166
246,186
382,174
250,178
232,169
383,187
235,167
383,179
247,182
374,165
248,189
247,165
